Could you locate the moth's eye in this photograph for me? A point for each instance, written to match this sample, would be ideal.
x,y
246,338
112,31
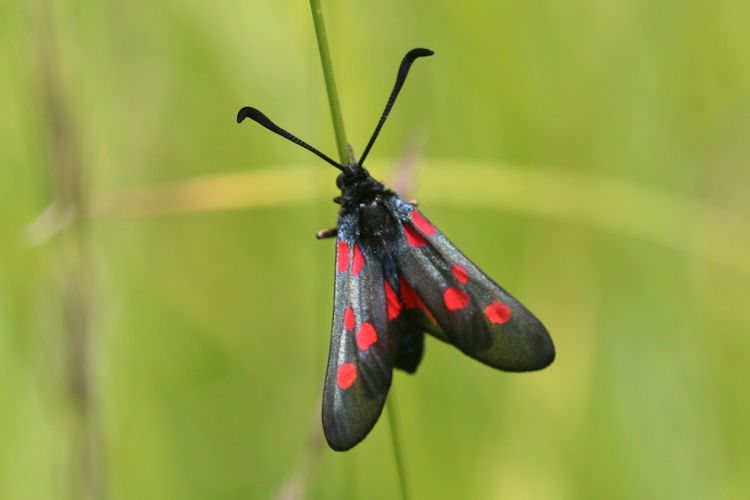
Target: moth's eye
x,y
340,181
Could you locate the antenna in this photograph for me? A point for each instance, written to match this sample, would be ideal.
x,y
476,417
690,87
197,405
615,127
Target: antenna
x,y
403,70
259,117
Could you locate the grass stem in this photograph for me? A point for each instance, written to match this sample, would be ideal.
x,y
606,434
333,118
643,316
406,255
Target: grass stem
x,y
333,98
395,437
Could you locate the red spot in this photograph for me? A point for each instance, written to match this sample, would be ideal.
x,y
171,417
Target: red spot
x,y
342,256
394,305
349,319
460,273
455,299
424,226
497,312
408,295
347,375
357,260
366,336
411,300
413,237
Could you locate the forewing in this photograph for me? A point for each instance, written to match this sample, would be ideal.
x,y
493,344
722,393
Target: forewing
x,y
472,311
360,362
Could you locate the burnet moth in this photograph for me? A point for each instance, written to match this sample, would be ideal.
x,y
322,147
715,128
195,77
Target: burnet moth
x,y
396,277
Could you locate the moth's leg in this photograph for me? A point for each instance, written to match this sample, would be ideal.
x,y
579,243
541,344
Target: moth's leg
x,y
326,233
413,203
337,200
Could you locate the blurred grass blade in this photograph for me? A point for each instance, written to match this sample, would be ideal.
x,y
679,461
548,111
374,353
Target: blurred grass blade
x,y
265,188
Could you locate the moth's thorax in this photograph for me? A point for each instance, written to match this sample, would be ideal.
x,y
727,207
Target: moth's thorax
x,y
364,215
358,188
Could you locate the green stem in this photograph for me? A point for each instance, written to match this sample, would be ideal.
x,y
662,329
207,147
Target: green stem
x,y
393,420
333,98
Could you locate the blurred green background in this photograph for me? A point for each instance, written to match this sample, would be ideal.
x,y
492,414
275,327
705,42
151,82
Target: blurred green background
x,y
170,343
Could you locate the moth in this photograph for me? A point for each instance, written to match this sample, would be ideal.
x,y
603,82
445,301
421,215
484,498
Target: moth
x,y
398,277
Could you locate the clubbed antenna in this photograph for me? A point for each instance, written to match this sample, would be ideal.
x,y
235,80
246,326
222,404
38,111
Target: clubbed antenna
x,y
259,117
403,70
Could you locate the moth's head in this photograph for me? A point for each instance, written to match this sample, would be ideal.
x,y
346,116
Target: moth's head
x,y
351,174
357,187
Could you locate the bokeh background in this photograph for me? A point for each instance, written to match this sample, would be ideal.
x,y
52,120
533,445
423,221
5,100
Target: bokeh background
x,y
165,308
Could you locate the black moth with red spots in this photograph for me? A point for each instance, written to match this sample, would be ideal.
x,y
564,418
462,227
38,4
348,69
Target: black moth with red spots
x,y
398,277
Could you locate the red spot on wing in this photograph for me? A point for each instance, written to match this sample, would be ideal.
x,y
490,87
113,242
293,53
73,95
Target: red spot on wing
x,y
455,299
342,257
411,300
413,237
498,312
349,319
424,226
358,260
460,273
366,336
394,305
346,376
408,295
